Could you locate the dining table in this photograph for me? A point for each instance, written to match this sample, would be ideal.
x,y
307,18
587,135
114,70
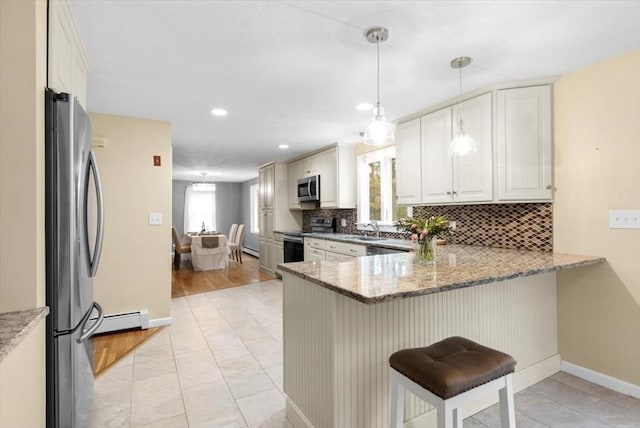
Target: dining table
x,y
209,251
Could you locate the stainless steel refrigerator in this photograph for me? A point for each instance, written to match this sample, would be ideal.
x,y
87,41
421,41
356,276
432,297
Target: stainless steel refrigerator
x,y
74,223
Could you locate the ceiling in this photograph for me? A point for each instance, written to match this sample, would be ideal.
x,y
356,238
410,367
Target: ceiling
x,y
291,72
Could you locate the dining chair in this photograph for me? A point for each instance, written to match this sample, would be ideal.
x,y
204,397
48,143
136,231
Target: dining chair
x,y
232,236
180,248
236,245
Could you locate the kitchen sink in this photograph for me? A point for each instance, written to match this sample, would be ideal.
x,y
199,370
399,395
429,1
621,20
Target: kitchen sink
x,y
370,238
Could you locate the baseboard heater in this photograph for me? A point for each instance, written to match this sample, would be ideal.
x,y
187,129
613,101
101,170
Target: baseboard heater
x,y
254,253
125,321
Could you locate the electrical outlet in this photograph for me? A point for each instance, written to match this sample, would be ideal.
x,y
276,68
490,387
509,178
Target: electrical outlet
x,y
155,219
343,222
624,219
452,225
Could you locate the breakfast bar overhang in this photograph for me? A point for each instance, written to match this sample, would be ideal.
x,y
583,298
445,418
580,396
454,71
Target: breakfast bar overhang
x,y
342,321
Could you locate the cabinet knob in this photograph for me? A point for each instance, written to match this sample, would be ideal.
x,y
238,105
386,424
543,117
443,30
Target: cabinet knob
x,y
448,193
549,187
455,193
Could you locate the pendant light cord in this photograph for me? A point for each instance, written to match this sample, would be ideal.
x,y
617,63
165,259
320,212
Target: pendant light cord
x,y
460,99
378,79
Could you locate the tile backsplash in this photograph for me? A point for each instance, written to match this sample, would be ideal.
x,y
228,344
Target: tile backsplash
x,y
517,226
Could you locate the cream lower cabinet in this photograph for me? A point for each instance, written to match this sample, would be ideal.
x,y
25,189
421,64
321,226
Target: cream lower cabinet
x,y
467,178
524,160
324,249
278,246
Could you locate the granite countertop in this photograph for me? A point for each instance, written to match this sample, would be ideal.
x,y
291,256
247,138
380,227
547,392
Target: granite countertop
x,y
377,279
15,326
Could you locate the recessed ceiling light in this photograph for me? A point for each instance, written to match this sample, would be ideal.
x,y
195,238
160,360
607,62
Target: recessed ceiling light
x,y
219,112
364,106
283,146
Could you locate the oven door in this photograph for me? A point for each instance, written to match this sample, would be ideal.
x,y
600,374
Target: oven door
x,y
293,249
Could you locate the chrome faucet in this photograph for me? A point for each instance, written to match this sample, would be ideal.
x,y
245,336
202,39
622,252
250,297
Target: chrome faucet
x,y
376,228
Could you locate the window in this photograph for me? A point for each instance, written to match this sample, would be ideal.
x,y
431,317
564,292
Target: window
x,y
253,193
377,188
199,209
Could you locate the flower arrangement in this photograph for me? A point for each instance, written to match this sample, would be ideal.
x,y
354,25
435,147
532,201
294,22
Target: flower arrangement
x,y
423,234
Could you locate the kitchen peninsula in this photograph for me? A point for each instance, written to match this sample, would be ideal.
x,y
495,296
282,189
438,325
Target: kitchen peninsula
x,y
342,320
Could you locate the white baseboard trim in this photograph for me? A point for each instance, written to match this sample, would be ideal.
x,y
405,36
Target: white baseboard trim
x,y
521,379
159,322
601,379
295,417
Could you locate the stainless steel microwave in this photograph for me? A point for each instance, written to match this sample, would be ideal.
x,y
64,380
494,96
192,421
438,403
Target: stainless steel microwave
x,y
309,188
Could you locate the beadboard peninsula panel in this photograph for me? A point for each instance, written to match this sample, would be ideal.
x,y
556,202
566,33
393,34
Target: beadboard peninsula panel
x,y
336,348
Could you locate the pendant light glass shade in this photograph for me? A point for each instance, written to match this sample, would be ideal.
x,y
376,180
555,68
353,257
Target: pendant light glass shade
x,y
462,144
379,132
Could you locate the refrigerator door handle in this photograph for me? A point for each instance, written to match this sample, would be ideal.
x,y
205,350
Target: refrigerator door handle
x,y
97,251
87,333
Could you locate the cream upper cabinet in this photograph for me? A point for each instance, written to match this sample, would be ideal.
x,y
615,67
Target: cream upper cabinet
x,y
524,158
67,63
469,178
408,179
436,162
336,167
473,173
295,172
266,186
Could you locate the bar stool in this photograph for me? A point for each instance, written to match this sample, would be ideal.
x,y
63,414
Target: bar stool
x,y
448,374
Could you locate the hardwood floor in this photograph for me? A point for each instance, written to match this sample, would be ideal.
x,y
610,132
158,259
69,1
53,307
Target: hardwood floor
x,y
108,348
186,281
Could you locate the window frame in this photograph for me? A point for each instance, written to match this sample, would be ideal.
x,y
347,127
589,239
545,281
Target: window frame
x,y
384,156
254,206
187,208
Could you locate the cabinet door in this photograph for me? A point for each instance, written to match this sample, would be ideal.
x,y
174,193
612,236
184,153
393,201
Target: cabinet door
x,y
262,248
294,173
326,163
269,186
409,178
473,173
279,256
268,223
437,185
316,255
270,262
262,224
329,256
524,144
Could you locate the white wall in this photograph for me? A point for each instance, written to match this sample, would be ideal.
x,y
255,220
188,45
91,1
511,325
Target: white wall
x,y
135,269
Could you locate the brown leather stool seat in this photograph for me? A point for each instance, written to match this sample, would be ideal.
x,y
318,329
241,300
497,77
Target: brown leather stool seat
x,y
449,374
452,366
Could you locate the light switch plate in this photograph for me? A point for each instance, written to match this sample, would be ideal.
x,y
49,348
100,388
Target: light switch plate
x,y
624,219
155,219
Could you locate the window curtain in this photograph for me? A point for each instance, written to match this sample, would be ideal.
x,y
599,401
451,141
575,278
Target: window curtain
x,y
199,209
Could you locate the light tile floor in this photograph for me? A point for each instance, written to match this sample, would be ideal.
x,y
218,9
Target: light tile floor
x,y
220,365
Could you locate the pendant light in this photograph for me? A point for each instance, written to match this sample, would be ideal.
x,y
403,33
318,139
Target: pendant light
x,y
462,144
379,131
204,186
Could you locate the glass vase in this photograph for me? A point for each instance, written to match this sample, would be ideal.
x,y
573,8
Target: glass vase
x,y
426,251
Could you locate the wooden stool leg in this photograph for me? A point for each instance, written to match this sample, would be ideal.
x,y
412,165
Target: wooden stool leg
x,y
507,408
397,401
176,260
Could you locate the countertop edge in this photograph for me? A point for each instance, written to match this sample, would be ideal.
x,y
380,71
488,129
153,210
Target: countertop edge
x,y
443,288
16,326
